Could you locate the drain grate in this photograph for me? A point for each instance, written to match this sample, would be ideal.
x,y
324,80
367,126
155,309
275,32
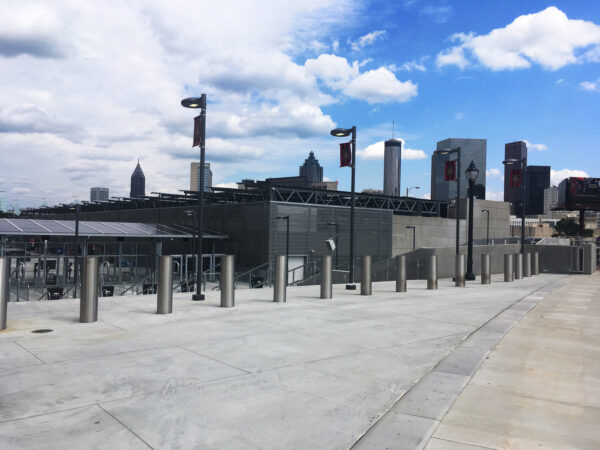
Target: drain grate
x,y
43,330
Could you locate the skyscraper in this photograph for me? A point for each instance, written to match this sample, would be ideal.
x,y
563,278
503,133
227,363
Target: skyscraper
x,y
3,203
311,169
138,182
98,194
195,176
538,180
512,194
392,163
550,199
471,150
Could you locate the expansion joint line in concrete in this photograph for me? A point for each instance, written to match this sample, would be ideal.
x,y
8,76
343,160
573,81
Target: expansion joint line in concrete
x,y
31,353
124,426
213,359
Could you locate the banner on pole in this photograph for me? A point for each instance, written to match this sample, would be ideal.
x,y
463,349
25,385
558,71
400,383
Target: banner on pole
x,y
197,131
450,171
345,155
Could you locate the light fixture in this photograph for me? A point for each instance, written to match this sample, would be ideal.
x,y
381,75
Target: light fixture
x,y
341,132
193,102
472,172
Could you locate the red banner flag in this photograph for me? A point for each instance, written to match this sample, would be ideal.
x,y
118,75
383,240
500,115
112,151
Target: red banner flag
x,y
345,155
450,171
197,131
515,178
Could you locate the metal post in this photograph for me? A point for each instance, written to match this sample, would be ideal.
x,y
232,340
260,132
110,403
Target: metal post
x,y
508,267
519,266
164,298
279,288
4,292
458,176
524,203
88,303
527,264
366,287
352,198
401,273
486,269
432,282
459,265
76,262
470,275
199,296
326,277
227,285
536,263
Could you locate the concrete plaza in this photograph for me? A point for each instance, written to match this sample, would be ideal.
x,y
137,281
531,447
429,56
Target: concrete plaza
x,y
372,372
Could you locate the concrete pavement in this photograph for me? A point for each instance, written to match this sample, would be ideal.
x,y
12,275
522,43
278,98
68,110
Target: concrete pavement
x,y
309,373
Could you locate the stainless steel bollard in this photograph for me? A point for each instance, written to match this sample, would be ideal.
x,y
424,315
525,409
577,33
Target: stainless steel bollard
x,y
486,269
519,266
459,270
401,273
536,263
4,292
227,284
508,267
366,285
326,277
432,282
164,297
88,303
527,264
280,279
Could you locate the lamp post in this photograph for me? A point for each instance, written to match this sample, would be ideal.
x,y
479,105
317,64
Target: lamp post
x,y
287,244
414,228
337,245
458,162
343,132
199,103
192,213
471,173
522,163
76,264
487,228
408,189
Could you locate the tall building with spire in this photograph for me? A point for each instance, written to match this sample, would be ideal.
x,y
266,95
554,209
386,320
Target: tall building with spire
x,y
138,182
311,169
392,164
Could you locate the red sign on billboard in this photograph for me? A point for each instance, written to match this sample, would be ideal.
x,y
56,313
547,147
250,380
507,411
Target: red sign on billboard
x,y
450,171
345,155
516,178
197,131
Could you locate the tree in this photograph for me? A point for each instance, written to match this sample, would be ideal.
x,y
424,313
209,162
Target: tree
x,y
570,227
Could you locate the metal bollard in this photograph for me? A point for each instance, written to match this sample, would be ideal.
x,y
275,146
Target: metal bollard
x,y
4,292
432,282
459,270
88,303
508,267
527,264
366,285
326,277
536,263
280,279
164,297
519,266
227,285
401,273
486,269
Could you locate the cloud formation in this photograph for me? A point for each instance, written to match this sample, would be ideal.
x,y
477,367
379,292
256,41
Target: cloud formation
x,y
556,176
367,39
547,38
376,151
536,147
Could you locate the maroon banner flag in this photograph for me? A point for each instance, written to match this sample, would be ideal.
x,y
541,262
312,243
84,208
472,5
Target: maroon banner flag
x,y
515,178
345,155
450,171
197,131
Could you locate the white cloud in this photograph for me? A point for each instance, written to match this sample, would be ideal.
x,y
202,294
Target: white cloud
x,y
459,116
556,176
496,196
560,81
536,147
409,66
439,13
231,185
367,39
380,86
589,86
376,151
427,196
548,38
493,173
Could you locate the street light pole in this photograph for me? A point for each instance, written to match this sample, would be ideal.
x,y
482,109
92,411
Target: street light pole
x,y
487,232
193,252
337,245
76,265
287,245
408,189
471,173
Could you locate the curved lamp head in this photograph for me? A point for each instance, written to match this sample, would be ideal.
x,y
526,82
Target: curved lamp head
x,y
472,172
194,102
341,132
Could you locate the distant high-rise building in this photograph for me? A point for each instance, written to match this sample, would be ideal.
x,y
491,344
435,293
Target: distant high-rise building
x,y
16,208
471,150
512,194
311,169
195,176
550,199
538,180
392,162
3,203
98,194
138,182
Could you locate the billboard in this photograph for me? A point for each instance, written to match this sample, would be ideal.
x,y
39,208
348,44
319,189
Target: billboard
x,y
578,193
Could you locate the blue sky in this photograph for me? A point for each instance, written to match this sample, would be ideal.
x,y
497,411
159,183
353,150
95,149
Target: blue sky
x,y
86,89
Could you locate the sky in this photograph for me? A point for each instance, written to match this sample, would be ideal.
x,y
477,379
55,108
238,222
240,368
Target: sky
x,y
87,88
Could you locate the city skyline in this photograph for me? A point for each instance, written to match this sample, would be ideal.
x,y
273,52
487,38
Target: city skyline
x,y
278,83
